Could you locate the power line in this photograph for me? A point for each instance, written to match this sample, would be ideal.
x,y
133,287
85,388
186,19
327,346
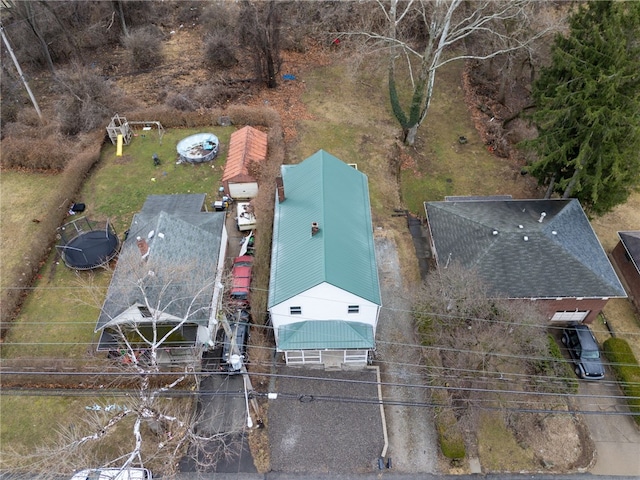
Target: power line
x,y
308,398
381,342
333,380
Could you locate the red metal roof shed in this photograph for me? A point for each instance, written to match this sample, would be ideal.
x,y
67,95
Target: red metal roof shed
x,y
246,145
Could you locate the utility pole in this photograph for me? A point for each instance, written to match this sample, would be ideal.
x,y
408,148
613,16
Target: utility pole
x,y
22,77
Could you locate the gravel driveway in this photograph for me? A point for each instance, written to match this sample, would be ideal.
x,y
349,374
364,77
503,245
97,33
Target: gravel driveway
x,y
316,424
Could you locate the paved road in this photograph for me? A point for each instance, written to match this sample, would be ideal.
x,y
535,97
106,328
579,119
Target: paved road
x,y
390,475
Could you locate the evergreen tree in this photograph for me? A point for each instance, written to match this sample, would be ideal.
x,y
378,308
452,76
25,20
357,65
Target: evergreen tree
x,y
588,108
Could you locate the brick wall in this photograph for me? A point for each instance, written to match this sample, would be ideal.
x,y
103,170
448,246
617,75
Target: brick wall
x,y
628,272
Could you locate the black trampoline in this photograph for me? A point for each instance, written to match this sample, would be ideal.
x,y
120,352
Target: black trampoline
x,y
86,245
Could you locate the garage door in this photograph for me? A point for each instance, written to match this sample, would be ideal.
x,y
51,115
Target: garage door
x,y
573,316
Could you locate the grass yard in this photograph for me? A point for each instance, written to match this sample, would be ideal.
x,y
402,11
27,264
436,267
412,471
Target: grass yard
x,y
24,430
440,165
620,313
58,319
498,449
120,185
351,121
24,197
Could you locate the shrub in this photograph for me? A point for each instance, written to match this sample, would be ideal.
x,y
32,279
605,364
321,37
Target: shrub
x,y
48,153
180,101
219,53
627,371
209,96
144,47
450,435
555,366
86,100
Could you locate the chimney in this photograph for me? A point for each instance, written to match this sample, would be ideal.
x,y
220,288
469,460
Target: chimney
x,y
143,246
280,188
315,228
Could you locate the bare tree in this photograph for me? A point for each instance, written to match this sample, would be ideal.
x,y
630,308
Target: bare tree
x,y
478,342
427,34
85,99
260,35
151,322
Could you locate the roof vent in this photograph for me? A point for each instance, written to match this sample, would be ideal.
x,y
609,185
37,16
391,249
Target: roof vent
x,y
520,226
542,215
495,232
315,228
525,238
553,232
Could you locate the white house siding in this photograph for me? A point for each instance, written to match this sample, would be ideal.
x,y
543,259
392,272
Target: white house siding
x,y
218,289
324,302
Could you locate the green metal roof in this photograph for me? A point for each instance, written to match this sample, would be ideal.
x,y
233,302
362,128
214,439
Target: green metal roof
x,y
325,190
325,334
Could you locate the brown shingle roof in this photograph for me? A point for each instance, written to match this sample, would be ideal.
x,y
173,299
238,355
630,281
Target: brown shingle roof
x,y
245,146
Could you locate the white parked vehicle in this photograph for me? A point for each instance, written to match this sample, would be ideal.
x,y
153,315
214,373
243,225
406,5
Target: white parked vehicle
x,y
246,219
113,474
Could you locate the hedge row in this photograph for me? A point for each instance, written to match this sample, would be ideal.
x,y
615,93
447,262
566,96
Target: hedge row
x,y
23,275
450,436
627,371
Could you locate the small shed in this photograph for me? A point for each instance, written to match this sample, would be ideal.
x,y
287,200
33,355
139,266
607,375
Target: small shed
x,y
246,146
626,257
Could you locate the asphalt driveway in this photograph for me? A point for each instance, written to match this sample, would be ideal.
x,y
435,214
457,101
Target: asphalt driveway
x,y
319,424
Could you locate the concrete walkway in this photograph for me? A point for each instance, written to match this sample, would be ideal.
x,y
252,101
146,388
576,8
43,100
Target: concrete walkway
x,y
616,437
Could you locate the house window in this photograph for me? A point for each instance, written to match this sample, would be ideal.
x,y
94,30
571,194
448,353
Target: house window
x,y
295,310
353,309
144,311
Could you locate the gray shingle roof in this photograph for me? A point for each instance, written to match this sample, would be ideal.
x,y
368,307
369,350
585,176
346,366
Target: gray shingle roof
x,y
631,242
520,256
181,266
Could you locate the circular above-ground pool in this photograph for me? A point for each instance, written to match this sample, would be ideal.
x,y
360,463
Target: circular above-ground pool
x,y
201,147
84,247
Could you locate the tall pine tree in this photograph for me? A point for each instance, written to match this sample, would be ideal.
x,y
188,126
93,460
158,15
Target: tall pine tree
x,y
588,108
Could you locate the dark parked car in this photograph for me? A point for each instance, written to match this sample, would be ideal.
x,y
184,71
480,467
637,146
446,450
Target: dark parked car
x,y
584,351
240,332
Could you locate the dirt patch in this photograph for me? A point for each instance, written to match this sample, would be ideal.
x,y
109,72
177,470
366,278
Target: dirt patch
x,y
558,442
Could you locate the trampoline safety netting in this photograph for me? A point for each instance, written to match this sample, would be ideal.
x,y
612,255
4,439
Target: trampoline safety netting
x,y
85,244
